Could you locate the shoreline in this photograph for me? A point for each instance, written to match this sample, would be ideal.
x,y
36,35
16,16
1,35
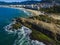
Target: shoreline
x,y
33,12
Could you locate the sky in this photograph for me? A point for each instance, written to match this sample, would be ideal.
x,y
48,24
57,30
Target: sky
x,y
13,0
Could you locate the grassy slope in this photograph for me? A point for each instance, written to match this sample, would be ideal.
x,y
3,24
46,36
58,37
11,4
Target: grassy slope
x,y
47,19
40,36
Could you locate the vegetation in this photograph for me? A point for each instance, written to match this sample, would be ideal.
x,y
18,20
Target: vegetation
x,y
39,35
16,26
42,37
51,0
46,18
54,9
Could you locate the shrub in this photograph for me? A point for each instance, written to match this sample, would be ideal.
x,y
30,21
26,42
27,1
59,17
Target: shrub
x,y
16,25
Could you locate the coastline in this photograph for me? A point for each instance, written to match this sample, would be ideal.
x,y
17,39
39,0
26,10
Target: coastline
x,y
33,12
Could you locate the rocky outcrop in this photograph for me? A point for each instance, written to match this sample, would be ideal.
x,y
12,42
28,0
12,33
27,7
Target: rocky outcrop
x,y
49,29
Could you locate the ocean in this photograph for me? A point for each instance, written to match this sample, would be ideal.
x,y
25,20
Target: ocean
x,y
20,37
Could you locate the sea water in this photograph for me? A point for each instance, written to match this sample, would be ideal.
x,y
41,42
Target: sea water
x,y
9,37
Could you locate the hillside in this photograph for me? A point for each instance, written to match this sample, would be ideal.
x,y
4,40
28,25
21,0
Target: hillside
x,y
44,28
51,0
19,3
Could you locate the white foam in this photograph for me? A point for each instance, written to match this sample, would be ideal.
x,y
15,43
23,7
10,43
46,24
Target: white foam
x,y
35,42
23,36
26,12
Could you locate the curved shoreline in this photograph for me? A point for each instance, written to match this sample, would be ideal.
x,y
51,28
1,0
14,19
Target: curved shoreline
x,y
31,12
34,12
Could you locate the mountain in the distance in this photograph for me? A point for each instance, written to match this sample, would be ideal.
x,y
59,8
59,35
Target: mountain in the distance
x,y
51,1
30,2
19,3
27,2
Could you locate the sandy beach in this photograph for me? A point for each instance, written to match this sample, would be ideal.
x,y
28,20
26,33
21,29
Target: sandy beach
x,y
34,12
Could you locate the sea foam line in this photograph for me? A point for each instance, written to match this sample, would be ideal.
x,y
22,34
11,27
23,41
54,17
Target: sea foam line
x,y
23,35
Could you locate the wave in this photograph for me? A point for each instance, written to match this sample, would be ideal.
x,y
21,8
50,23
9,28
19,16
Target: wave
x,y
23,35
28,13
